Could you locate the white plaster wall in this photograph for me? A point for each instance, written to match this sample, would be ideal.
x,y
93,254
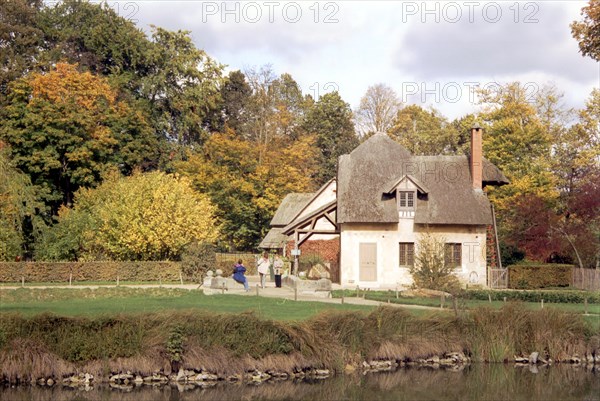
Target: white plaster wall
x,y
326,196
388,237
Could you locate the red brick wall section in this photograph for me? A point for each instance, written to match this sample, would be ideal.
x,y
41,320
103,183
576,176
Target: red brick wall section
x,y
329,250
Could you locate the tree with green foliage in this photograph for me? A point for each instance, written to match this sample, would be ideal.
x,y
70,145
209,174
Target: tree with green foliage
x,y
235,94
147,216
96,38
330,120
20,40
65,129
182,87
18,204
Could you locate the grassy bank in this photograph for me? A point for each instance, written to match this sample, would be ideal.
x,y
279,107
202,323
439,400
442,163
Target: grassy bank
x,y
49,345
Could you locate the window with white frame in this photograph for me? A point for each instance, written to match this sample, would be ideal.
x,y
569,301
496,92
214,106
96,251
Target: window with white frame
x,y
406,200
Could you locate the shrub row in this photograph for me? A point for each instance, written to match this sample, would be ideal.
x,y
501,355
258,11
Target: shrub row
x,y
55,272
562,296
226,261
530,276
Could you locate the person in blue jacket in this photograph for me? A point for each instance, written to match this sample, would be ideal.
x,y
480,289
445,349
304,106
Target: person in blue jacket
x,y
238,275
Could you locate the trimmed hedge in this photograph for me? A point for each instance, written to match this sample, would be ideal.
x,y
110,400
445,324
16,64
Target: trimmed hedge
x,y
226,261
56,272
532,276
556,296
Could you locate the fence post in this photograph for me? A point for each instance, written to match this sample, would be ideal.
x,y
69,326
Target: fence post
x,y
490,297
180,278
22,281
70,279
257,287
442,301
117,281
542,303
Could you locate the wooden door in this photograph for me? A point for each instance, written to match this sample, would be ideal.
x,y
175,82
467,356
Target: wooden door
x,y
367,255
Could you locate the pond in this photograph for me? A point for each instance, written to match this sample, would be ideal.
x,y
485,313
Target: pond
x,y
476,382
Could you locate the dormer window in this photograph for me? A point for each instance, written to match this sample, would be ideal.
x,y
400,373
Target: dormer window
x,y
406,200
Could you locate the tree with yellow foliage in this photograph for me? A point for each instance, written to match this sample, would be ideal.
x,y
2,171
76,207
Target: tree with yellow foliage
x,y
151,216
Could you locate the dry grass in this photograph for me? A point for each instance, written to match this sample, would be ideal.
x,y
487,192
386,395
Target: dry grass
x,y
227,344
23,360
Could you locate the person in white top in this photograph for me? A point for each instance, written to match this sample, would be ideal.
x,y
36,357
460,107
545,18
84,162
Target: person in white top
x,y
263,268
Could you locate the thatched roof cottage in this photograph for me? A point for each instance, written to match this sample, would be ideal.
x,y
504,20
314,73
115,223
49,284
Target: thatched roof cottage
x,y
381,200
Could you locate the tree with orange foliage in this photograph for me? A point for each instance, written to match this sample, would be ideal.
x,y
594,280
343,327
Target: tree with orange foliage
x,y
65,128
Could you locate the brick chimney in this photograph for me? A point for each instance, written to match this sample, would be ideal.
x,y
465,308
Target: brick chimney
x,y
476,162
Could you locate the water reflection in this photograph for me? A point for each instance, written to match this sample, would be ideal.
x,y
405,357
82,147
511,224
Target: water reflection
x,y
477,382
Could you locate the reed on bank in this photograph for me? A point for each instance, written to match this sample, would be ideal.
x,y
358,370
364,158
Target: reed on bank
x,y
53,346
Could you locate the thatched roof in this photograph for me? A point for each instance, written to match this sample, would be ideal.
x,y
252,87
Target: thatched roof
x,y
365,175
291,205
274,239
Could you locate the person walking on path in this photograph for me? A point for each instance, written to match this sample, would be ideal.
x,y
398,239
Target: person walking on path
x,y
263,268
238,275
278,268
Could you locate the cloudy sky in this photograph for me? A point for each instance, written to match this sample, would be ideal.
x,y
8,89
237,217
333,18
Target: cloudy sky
x,y
431,53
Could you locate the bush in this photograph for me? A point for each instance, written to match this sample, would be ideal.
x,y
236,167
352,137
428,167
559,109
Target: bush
x,y
556,296
197,260
531,276
430,269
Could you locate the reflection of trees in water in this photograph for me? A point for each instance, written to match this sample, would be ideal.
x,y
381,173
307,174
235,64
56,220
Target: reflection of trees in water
x,y
477,382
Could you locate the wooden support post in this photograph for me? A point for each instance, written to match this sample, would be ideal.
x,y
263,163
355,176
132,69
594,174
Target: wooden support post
x,y
22,281
490,297
542,303
442,300
70,279
257,289
180,278
117,281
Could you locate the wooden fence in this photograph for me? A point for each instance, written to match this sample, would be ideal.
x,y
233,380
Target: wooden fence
x,y
586,279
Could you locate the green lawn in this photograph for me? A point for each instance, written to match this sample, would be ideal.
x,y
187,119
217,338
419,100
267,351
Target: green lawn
x,y
87,302
592,309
